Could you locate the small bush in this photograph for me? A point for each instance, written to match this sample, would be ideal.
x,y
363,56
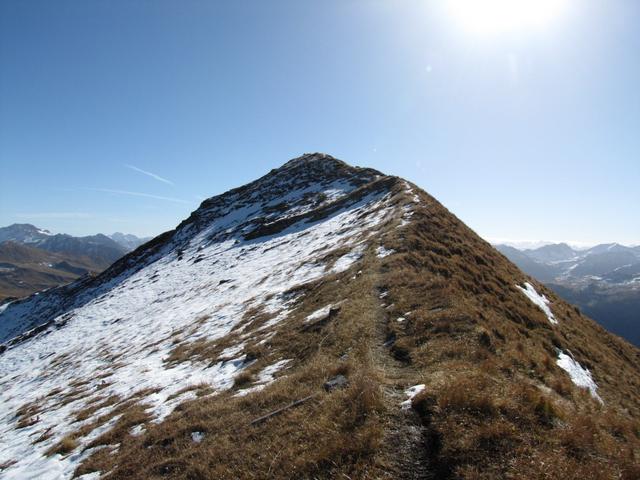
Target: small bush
x,y
64,446
243,379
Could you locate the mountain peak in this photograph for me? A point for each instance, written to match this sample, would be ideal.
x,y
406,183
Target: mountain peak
x,y
24,233
298,187
343,310
317,167
316,158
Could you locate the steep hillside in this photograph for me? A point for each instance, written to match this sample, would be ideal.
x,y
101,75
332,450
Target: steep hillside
x,y
323,321
604,281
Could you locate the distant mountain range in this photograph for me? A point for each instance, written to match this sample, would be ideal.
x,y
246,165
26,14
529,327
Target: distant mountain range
x,y
604,280
33,259
128,241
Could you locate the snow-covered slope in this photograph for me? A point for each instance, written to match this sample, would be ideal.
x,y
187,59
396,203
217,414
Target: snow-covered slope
x,y
239,252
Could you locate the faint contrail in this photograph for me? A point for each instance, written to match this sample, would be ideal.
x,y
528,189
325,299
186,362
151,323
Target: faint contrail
x,y
149,174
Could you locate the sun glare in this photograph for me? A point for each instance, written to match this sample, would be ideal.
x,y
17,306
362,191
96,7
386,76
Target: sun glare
x,y
499,16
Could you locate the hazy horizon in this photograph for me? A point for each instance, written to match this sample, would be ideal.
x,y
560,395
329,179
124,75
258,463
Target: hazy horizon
x,y
121,116
520,244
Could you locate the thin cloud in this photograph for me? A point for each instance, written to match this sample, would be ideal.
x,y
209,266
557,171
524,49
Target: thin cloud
x,y
35,215
149,174
139,194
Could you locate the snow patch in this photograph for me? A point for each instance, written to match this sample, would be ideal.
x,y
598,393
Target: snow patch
x,y
265,377
579,375
232,351
540,300
382,252
411,392
320,313
344,262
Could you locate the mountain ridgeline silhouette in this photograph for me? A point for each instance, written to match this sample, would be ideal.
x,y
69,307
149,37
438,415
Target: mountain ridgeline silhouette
x,y
323,321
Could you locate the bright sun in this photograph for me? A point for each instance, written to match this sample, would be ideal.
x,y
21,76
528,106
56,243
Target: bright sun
x,y
498,16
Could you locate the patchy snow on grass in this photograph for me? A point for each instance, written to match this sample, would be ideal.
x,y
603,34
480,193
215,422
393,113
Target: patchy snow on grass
x,y
267,373
318,314
118,336
265,377
345,261
579,375
137,430
232,351
382,252
410,191
540,300
410,393
197,437
407,213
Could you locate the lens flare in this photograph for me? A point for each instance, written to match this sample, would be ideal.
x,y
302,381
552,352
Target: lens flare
x,y
499,16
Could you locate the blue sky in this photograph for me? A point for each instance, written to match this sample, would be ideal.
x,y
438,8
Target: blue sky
x,y
125,115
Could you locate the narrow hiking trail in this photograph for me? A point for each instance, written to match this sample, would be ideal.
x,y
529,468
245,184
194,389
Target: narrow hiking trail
x,y
408,456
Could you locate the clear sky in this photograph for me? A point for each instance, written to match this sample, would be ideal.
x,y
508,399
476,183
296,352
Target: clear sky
x,y
124,115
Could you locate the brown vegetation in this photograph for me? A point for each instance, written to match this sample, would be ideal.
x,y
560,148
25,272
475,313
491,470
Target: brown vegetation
x,y
495,405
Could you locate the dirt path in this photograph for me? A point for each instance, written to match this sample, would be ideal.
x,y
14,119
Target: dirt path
x,y
406,455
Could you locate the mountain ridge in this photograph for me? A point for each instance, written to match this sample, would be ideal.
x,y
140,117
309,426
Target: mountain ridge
x,y
330,320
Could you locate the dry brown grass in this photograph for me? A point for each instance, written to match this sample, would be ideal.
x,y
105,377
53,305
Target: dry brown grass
x,y
89,410
495,405
347,420
243,379
46,435
63,447
496,402
25,422
27,414
467,395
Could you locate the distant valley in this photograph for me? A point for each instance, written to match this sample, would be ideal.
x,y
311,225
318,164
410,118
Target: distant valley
x,y
603,281
33,259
